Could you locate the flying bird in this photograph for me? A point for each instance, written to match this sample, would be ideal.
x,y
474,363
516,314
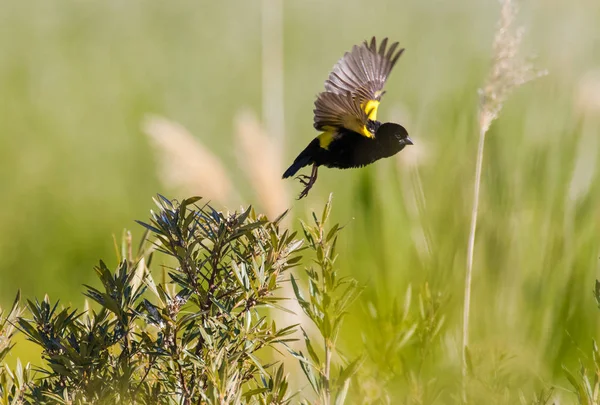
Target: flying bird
x,y
346,115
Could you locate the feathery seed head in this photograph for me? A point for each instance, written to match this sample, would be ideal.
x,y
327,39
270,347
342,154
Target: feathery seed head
x,y
509,70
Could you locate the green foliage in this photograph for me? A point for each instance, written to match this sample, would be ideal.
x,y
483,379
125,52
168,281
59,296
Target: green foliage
x,y
401,339
13,383
586,381
199,337
204,334
329,297
7,329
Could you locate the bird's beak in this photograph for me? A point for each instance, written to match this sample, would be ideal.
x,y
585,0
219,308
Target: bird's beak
x,y
408,141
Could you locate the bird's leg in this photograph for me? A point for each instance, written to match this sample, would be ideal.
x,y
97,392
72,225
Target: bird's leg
x,y
308,181
303,179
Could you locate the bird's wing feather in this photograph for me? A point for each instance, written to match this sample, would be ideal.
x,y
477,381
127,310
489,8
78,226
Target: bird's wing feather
x,y
340,110
363,72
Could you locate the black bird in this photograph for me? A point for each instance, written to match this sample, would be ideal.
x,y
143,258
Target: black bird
x,y
346,113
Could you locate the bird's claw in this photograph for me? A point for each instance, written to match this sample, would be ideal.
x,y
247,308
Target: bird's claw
x,y
304,179
304,192
307,182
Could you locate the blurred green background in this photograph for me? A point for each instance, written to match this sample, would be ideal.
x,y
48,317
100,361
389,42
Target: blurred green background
x,y
78,78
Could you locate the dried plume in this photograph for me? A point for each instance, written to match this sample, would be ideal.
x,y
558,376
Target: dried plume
x,y
259,155
509,70
185,164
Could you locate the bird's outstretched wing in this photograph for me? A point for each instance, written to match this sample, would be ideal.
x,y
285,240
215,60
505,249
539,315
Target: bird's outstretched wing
x,y
363,72
340,110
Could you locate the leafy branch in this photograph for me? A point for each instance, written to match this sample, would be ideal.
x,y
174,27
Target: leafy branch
x,y
327,303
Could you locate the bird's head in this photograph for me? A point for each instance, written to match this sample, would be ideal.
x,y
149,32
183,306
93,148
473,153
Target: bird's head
x,y
395,132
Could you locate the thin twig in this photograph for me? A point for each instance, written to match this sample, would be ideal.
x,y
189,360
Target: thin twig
x,y
327,373
186,395
327,342
150,366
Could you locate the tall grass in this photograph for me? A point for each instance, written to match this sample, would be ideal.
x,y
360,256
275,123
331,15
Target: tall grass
x,y
508,73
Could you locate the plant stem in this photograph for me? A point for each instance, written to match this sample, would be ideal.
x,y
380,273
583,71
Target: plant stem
x,y
327,372
326,337
470,254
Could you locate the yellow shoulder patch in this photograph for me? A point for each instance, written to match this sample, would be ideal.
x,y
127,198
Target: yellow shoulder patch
x,y
364,131
354,124
326,138
370,107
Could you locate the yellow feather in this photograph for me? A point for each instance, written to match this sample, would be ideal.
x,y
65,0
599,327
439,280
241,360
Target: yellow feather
x,y
326,138
370,107
354,124
364,131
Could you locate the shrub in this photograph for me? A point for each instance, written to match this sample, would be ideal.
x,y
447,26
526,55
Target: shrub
x,y
201,335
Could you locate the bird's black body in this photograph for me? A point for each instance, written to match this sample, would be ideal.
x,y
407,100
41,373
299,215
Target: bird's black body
x,y
350,149
346,113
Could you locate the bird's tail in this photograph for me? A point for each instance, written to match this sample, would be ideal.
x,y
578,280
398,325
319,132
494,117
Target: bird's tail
x,y
298,164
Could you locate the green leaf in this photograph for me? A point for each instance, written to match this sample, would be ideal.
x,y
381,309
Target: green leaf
x,y
14,309
342,392
269,304
189,201
297,291
256,362
579,390
309,348
278,220
332,232
326,210
256,391
347,372
308,235
165,201
150,227
307,369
